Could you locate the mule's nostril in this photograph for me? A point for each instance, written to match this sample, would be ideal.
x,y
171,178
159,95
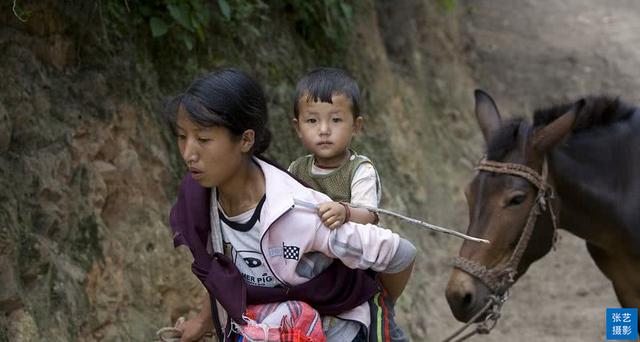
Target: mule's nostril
x,y
467,300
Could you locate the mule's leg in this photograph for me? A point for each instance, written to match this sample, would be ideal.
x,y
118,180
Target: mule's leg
x,y
623,273
625,280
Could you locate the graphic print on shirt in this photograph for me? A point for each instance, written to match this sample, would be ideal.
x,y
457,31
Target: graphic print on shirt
x,y
287,252
291,252
241,237
252,266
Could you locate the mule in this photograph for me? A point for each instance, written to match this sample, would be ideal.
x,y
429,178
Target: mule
x,y
587,156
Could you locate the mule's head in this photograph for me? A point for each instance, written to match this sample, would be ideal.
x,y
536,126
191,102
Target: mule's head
x,y
499,204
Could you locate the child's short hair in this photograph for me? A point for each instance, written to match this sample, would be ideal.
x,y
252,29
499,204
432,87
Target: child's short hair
x,y
322,83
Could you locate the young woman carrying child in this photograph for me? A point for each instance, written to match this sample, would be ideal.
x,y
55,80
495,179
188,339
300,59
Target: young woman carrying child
x,y
236,212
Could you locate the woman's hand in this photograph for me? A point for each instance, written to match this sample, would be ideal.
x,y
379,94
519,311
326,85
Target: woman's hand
x,y
332,214
192,330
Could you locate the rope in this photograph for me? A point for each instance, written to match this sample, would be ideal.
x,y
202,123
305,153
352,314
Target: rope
x,y
497,280
170,334
492,309
515,169
173,334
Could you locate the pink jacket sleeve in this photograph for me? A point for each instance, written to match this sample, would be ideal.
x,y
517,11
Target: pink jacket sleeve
x,y
357,245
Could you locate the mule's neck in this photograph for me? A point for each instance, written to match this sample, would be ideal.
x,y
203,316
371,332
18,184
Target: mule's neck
x,y
594,180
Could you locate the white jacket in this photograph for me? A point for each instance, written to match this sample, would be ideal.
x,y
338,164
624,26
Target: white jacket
x,y
285,224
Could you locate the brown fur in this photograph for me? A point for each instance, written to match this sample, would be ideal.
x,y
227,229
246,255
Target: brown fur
x,y
593,151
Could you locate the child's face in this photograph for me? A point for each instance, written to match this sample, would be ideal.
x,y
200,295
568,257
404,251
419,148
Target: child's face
x,y
212,155
326,129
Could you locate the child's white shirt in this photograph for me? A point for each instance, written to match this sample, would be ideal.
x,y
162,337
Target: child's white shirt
x,y
365,185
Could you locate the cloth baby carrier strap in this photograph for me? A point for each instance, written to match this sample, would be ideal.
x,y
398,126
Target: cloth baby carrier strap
x,y
335,290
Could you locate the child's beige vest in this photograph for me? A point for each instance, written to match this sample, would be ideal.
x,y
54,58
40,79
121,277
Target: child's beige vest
x,y
337,184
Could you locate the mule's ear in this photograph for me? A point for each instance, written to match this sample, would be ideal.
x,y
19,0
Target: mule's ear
x,y
551,134
487,114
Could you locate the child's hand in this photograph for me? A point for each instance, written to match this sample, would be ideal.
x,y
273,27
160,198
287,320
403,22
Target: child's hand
x,y
332,214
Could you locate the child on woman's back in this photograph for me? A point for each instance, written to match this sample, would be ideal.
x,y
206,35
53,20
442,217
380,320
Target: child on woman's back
x,y
326,118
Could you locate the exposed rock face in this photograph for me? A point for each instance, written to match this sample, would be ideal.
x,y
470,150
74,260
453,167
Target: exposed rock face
x,y
88,169
86,174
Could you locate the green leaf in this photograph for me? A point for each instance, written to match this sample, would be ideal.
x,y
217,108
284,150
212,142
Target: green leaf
x,y
203,16
196,6
180,13
145,10
200,34
255,32
187,40
346,10
158,27
224,8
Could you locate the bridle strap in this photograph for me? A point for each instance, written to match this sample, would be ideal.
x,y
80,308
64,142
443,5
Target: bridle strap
x,y
501,277
538,180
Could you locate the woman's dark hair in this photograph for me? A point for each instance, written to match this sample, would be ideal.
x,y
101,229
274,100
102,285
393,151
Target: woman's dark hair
x,y
228,98
322,83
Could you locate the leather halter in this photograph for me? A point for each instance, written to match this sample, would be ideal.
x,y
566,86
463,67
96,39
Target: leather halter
x,y
499,278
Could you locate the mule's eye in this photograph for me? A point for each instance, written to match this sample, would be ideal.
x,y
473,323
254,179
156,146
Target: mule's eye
x,y
516,200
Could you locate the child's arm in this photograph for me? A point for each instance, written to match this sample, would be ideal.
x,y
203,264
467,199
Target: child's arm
x,y
365,190
334,214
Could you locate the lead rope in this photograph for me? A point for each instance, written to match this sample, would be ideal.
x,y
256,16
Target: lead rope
x,y
170,334
492,308
173,334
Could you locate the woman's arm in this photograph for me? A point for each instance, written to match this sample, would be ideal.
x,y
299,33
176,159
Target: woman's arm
x,y
396,276
195,328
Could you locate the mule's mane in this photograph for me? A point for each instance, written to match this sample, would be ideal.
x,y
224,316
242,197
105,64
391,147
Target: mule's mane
x,y
597,111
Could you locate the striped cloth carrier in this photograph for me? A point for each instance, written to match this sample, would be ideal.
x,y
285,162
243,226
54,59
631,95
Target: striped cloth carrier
x,y
290,321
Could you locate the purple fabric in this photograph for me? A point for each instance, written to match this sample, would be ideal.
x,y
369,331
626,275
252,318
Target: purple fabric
x,y
337,289
332,292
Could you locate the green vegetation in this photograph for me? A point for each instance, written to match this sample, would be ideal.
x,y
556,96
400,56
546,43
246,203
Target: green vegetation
x,y
448,5
184,21
190,35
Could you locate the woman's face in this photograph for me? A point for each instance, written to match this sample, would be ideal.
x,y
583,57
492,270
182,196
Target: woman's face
x,y
212,154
